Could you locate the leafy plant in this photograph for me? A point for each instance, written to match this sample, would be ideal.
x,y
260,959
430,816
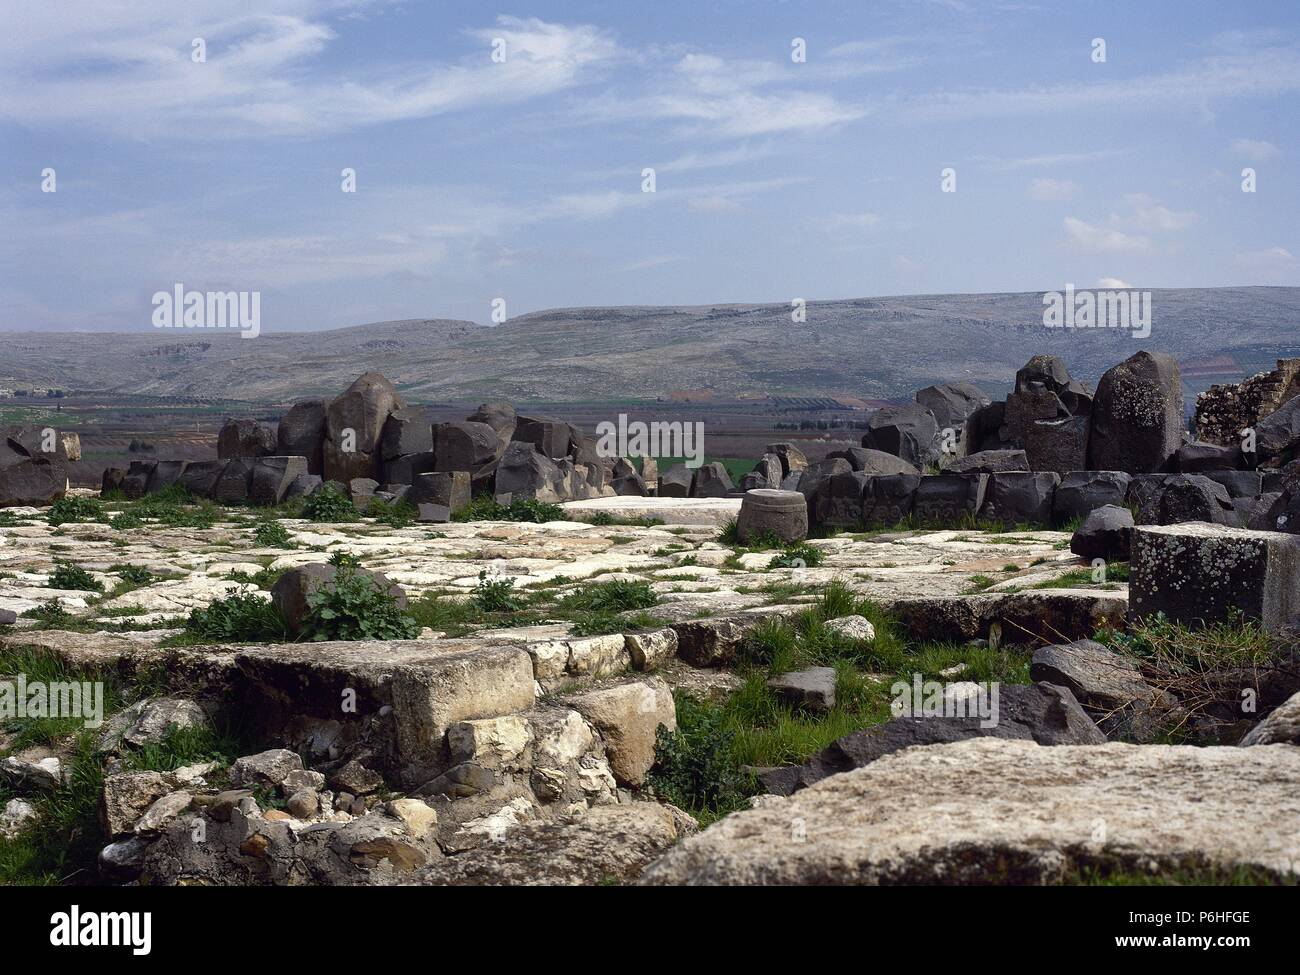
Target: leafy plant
x,y
797,556
352,606
483,507
50,613
75,509
236,618
135,575
327,504
271,534
69,577
695,766
614,596
396,515
493,595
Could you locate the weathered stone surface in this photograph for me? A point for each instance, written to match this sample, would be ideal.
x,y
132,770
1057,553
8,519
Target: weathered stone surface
x,y
606,844
406,431
524,473
1105,534
952,403
852,627
200,477
712,481
1222,412
1043,713
628,717
245,438
1059,445
1206,572
905,431
1107,685
450,489
945,499
989,462
1281,725
837,503
272,476
301,433
792,458
1165,808
552,438
767,473
1198,457
1277,436
710,642
268,768
127,796
813,688
1082,492
428,698
31,474
232,485
873,462
165,473
676,482
17,816
1194,497
651,649
1240,484
148,721
1018,497
1137,415
888,499
354,425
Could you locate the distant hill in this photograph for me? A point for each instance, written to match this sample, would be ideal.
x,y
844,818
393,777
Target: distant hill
x,y
868,348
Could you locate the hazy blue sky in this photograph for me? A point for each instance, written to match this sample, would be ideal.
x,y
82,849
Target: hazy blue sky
x,y
522,180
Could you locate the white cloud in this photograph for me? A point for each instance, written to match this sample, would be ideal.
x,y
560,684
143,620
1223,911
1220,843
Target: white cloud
x,y
1256,150
1151,216
129,67
1047,190
1269,259
852,221
1051,159
1114,284
1090,237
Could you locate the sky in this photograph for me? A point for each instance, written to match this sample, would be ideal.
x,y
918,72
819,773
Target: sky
x,y
500,153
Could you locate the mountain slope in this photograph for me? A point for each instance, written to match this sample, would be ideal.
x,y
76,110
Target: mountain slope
x,y
873,348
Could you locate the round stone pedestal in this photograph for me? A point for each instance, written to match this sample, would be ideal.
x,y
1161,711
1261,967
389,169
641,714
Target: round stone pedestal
x,y
784,513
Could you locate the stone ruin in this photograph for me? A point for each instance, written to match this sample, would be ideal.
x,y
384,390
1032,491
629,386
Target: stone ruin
x,y
523,756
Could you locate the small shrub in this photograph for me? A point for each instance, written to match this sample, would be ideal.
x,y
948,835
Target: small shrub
x,y
237,617
125,521
67,576
355,607
329,505
797,556
50,613
75,509
694,765
493,595
271,534
135,575
398,515
614,596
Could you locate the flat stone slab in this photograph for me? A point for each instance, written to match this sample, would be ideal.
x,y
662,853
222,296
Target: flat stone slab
x,y
1043,813
715,512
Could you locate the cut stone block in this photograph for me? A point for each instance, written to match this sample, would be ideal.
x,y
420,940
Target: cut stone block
x,y
1202,572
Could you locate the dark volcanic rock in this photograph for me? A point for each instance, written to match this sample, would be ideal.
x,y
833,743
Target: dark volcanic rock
x,y
1106,533
301,433
989,462
1137,415
904,431
245,438
1019,497
1081,492
952,403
